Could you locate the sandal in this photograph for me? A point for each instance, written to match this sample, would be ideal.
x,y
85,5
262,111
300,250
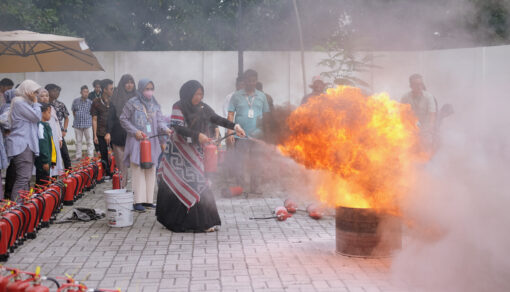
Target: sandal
x,y
212,229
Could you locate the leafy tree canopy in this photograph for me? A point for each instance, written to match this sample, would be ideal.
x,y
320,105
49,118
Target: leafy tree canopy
x,y
265,24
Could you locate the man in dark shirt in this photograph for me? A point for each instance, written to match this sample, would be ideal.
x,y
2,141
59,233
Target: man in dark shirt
x,y
99,112
96,93
63,119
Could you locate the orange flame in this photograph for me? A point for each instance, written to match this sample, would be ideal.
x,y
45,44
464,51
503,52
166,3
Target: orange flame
x,y
367,147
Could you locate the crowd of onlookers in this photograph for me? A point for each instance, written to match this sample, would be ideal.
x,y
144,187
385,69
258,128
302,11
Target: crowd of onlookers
x,y
34,124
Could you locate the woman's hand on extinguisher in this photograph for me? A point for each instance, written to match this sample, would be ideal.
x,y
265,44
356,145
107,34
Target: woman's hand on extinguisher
x,y
203,139
230,139
239,131
139,135
217,133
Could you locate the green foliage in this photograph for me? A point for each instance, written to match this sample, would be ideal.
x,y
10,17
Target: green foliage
x,y
342,65
491,21
165,24
213,24
343,61
25,14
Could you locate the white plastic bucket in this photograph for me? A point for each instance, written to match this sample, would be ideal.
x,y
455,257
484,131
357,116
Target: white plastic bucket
x,y
119,206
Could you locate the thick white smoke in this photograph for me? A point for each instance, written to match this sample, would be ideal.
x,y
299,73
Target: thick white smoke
x,y
458,211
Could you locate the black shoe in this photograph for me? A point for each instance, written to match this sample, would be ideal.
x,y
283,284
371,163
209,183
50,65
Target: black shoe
x,y
139,208
149,205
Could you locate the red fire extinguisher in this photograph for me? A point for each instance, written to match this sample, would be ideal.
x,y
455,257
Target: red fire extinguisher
x,y
210,158
281,213
113,164
315,211
236,191
99,172
8,278
290,205
37,287
117,177
19,283
145,153
221,155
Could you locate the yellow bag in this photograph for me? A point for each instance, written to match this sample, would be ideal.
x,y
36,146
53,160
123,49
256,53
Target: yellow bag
x,y
53,152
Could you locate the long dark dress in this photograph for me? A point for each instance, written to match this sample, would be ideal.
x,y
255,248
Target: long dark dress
x,y
172,210
175,216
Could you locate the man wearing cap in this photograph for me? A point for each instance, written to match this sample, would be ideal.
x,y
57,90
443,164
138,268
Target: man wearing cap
x,y
424,106
318,86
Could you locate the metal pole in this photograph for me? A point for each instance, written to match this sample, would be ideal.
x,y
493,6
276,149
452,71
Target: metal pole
x,y
240,47
298,18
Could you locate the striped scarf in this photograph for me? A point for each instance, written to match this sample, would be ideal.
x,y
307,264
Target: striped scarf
x,y
181,166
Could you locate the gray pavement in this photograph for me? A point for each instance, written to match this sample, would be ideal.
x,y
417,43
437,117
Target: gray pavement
x,y
245,255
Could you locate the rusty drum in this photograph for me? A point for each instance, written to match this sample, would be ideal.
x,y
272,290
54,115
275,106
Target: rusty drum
x,y
367,233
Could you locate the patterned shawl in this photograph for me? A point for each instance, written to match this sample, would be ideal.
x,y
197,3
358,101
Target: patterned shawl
x,y
181,165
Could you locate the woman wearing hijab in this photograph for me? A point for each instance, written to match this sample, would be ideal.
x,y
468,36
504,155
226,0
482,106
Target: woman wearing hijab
x,y
185,202
125,90
22,143
10,174
44,97
4,126
141,117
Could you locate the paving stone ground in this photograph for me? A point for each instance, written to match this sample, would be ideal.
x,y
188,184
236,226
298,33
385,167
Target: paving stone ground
x,y
245,255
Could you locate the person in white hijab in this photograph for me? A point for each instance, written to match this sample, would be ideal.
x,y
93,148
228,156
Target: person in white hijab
x,y
22,143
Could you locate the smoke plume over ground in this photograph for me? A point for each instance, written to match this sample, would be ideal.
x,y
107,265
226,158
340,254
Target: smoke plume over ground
x,y
458,211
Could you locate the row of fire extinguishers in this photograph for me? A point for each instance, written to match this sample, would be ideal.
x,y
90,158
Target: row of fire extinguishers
x,y
39,207
15,280
281,213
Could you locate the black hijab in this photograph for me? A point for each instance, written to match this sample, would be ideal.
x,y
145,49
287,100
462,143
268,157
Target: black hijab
x,y
196,116
121,96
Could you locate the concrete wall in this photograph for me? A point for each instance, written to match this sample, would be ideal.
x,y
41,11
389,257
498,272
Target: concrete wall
x,y
460,76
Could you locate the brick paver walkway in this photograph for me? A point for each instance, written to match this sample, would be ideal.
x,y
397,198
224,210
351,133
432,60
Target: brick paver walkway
x,y
245,255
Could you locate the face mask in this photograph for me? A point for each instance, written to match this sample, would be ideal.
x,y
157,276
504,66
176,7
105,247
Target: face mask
x,y
148,93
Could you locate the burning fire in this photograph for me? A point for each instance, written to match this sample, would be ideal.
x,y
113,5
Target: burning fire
x,y
366,147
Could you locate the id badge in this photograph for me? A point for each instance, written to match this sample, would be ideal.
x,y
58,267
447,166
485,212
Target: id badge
x,y
149,130
250,114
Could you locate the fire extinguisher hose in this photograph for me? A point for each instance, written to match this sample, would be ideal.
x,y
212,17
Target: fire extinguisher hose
x,y
226,136
158,135
262,218
53,280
